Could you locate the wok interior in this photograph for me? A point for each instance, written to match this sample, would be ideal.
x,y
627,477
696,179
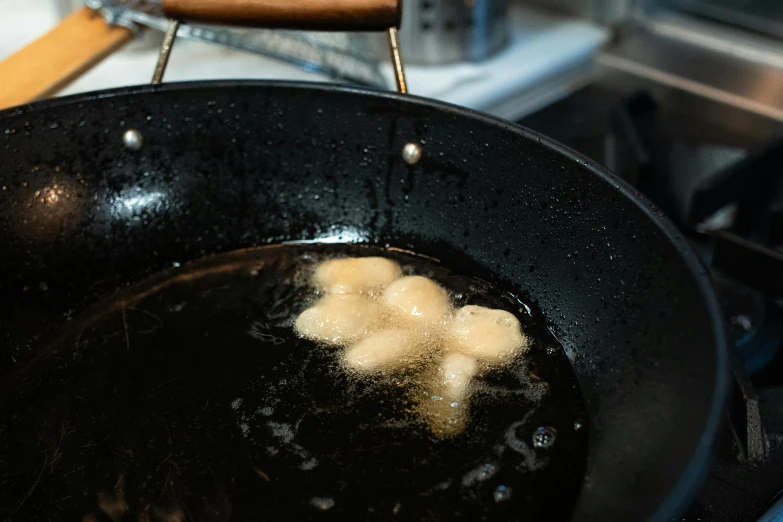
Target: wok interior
x,y
232,166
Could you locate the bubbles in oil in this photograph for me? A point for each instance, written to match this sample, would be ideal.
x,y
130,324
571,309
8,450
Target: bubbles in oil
x,y
191,389
483,472
544,437
502,493
322,503
392,321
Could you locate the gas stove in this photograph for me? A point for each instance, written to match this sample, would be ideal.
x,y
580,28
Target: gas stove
x,y
715,171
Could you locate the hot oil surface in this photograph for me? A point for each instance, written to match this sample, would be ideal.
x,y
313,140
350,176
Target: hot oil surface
x,y
189,397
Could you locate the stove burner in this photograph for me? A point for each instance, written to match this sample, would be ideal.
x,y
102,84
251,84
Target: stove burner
x,y
755,321
692,181
694,160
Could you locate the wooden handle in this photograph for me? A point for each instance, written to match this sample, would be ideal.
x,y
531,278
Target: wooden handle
x,y
317,15
60,56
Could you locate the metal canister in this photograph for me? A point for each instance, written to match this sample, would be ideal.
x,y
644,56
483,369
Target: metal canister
x,y
438,32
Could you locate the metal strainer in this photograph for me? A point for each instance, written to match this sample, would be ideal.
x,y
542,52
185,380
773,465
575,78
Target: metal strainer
x,y
346,57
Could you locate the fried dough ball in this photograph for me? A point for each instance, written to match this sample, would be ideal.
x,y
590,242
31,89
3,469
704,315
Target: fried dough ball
x,y
454,375
338,319
356,274
490,336
387,350
445,419
446,411
418,299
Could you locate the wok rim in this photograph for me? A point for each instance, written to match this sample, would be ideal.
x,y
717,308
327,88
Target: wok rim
x,y
695,473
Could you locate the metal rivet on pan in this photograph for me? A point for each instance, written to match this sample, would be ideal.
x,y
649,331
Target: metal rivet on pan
x,y
133,140
411,153
544,437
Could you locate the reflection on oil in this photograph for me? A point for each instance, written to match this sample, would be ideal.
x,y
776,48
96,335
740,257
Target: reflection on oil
x,y
115,507
340,234
135,201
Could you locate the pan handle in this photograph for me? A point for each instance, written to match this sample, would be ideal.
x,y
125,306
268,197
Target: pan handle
x,y
314,15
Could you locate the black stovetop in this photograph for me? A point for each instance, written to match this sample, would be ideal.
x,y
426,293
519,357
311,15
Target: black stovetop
x,y
715,171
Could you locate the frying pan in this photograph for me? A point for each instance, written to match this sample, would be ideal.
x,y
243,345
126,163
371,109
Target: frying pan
x,y
233,165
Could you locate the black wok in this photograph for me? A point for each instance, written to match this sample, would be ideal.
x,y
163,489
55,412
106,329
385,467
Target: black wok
x,y
237,165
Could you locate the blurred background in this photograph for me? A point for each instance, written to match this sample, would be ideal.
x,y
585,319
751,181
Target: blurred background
x,y
506,57
683,99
